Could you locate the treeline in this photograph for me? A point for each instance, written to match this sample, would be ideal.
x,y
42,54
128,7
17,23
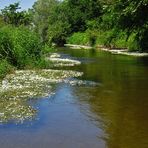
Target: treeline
x,y
26,35
112,23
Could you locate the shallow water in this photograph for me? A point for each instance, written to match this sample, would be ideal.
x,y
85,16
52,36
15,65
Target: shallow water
x,y
108,110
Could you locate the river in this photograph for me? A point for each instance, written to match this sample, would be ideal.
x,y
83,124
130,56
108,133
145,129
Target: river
x,y
111,114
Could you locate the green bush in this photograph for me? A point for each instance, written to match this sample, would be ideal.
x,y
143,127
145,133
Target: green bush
x,y
46,49
5,67
112,38
80,38
19,46
83,38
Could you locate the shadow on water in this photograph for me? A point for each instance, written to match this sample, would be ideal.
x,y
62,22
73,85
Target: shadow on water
x,y
110,115
120,106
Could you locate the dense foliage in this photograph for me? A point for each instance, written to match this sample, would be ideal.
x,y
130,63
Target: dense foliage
x,y
111,23
42,10
20,46
12,16
133,17
65,17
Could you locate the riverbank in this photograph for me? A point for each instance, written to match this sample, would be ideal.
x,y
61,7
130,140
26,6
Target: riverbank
x,y
21,86
73,46
124,52
113,51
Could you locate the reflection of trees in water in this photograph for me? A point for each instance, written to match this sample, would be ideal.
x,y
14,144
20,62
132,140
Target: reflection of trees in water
x,y
122,117
120,105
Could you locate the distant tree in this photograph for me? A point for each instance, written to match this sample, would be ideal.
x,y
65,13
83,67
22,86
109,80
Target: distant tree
x,y
59,26
81,11
11,15
42,10
55,20
71,16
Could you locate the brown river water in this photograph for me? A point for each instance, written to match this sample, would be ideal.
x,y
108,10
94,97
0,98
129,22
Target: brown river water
x,y
109,111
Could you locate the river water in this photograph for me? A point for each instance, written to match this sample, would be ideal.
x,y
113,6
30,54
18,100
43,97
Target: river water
x,y
111,114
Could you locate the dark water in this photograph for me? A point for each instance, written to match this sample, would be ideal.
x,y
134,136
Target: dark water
x,y
112,115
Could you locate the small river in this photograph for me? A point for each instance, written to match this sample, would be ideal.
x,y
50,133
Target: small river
x,y
111,114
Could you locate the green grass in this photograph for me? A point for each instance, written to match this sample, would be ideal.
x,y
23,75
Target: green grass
x,y
5,68
19,46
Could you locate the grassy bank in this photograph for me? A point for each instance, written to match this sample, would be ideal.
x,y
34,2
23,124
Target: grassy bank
x,y
20,48
109,39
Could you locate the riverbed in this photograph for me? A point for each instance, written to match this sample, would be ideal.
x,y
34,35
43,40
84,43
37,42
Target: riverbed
x,y
99,101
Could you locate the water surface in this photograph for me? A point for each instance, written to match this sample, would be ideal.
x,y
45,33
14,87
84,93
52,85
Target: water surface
x,y
112,114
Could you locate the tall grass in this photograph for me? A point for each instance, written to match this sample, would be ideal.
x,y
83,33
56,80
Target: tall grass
x,y
19,46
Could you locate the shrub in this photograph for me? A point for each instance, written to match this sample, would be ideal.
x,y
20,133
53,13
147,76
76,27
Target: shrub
x,y
79,38
5,67
47,49
19,46
117,39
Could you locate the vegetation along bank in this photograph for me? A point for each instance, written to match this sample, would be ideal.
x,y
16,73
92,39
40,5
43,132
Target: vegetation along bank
x,y
25,36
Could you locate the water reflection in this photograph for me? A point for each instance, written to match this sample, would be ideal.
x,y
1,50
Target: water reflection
x,y
120,105
112,114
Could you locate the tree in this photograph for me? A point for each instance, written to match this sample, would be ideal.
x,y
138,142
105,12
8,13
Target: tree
x,y
42,10
71,16
81,11
59,27
132,16
11,15
55,20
